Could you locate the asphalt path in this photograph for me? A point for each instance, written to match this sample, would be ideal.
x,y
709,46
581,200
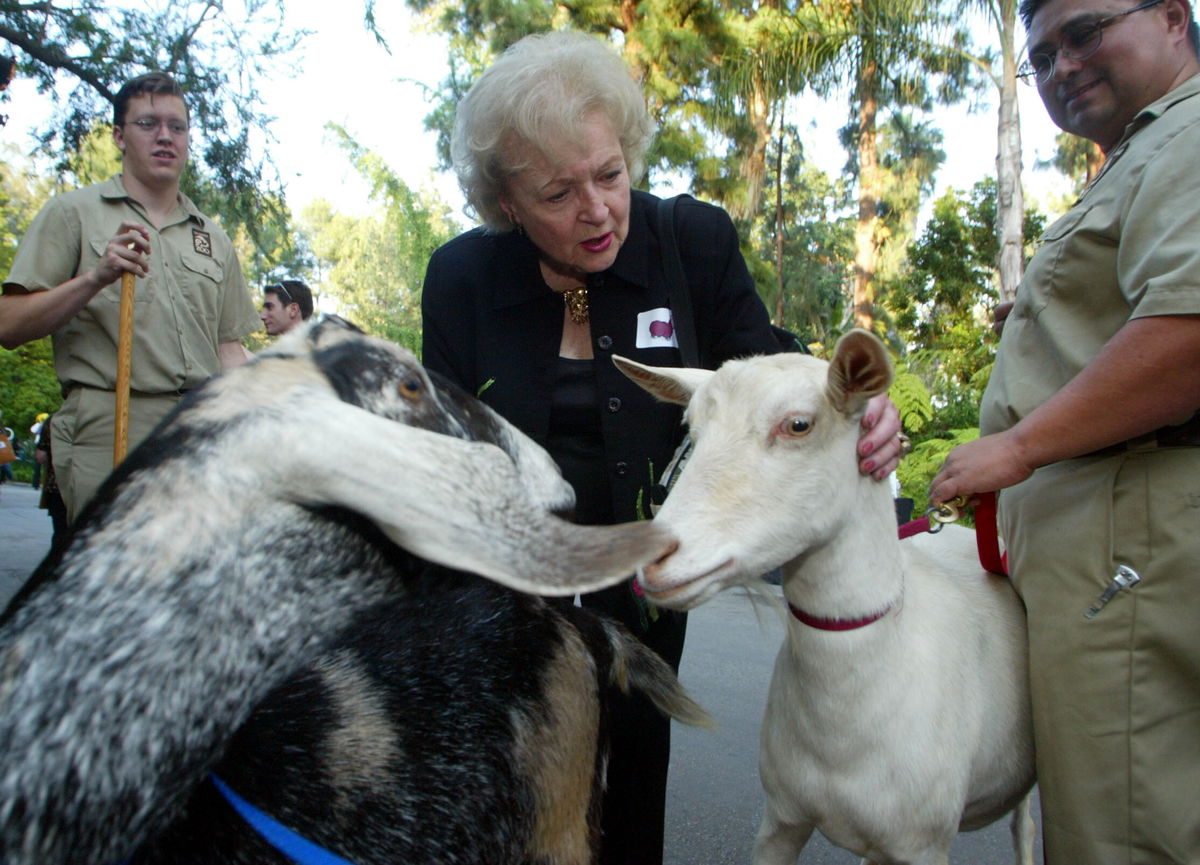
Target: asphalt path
x,y
714,800
25,532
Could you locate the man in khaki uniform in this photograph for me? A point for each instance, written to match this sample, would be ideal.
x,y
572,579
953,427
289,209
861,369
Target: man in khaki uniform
x,y
192,306
1090,429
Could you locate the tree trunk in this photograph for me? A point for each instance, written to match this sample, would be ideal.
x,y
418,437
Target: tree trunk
x,y
779,227
754,163
1010,199
866,249
1095,160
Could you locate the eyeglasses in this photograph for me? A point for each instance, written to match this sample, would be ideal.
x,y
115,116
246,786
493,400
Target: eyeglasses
x,y
1078,42
282,293
153,124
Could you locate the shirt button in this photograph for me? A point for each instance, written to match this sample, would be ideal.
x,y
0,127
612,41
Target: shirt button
x,y
605,342
614,404
622,469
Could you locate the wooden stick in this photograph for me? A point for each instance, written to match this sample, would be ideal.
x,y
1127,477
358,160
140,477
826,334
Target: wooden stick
x,y
124,370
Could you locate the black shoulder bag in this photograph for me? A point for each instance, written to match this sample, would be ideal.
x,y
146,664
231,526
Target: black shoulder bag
x,y
685,334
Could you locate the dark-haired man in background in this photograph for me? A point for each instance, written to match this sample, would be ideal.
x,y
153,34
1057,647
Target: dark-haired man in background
x,y
286,305
192,307
1090,428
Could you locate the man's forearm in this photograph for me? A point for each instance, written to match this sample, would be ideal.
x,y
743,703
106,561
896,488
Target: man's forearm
x,y
1143,379
26,316
231,354
1146,377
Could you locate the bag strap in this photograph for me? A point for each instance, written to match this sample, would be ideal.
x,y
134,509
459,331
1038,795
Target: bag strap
x,y
677,289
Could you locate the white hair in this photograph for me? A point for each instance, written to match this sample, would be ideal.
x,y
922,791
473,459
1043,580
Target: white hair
x,y
542,90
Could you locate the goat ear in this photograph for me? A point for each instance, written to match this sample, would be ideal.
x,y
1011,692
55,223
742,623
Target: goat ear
x,y
459,503
669,384
859,370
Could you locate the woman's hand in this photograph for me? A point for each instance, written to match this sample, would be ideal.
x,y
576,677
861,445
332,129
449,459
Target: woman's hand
x,y
879,446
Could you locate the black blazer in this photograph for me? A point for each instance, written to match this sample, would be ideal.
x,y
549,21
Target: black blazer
x,y
493,326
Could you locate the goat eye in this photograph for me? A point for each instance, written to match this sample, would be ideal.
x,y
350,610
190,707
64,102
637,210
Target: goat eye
x,y
410,388
796,426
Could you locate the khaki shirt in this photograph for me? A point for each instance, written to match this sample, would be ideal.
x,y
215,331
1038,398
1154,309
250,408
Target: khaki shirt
x,y
194,298
1129,248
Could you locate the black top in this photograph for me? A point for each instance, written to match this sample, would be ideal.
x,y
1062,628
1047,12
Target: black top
x,y
576,440
493,326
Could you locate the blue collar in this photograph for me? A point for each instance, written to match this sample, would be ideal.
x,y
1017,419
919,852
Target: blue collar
x,y
296,847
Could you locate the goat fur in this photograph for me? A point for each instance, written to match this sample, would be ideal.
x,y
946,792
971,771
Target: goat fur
x,y
888,738
196,585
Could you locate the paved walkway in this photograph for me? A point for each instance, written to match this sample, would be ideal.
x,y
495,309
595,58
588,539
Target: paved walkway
x,y
25,532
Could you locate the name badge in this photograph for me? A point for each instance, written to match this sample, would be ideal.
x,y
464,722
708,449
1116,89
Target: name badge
x,y
656,329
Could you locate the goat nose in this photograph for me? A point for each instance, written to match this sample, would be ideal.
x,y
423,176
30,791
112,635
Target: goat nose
x,y
651,571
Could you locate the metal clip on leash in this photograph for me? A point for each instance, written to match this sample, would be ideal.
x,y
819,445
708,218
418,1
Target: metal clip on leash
x,y
947,512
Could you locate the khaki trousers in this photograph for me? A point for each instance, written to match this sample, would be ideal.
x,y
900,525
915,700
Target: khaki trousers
x,y
1116,697
82,438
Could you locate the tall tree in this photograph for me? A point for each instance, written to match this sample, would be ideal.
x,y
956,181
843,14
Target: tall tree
x,y
940,308
800,259
890,48
373,266
28,385
80,51
897,53
669,44
1010,210
1077,158
910,154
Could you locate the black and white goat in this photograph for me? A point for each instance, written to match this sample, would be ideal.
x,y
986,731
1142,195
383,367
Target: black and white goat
x,y
279,632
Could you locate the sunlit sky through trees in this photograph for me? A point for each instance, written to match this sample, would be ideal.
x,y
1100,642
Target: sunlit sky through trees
x,y
344,76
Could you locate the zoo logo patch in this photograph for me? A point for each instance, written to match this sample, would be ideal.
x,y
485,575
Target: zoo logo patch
x,y
202,242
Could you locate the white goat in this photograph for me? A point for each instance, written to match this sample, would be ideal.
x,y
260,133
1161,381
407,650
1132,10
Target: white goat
x,y
898,711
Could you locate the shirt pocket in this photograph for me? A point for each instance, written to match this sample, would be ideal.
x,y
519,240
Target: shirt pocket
x,y
1049,270
202,278
203,268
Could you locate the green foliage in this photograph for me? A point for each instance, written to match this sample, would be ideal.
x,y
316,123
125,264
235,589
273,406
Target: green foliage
x,y
28,385
919,467
672,47
941,307
1076,157
373,266
913,401
97,158
218,51
22,194
802,245
279,251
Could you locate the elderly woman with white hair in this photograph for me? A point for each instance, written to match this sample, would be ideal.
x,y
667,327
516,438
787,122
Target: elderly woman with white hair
x,y
567,270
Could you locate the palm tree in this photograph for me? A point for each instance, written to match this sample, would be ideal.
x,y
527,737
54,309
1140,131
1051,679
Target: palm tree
x,y
885,51
1010,199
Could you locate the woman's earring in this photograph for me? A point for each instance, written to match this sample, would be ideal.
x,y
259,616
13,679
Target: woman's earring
x,y
518,228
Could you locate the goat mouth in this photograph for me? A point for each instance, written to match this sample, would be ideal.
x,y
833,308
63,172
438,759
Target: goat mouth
x,y
685,588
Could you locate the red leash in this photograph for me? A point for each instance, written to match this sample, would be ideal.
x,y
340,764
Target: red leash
x,y
987,542
986,539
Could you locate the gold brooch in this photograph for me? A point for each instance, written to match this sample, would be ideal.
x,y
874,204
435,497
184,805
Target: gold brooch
x,y
576,300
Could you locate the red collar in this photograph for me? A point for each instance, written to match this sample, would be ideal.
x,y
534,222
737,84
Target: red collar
x,y
835,624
